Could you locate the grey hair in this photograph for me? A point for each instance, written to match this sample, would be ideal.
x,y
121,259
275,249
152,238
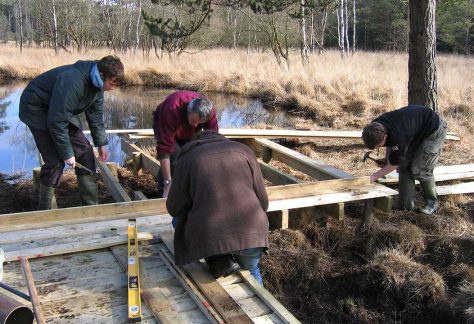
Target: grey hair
x,y
202,107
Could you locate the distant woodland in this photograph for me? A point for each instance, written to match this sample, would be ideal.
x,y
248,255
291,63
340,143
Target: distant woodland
x,y
168,27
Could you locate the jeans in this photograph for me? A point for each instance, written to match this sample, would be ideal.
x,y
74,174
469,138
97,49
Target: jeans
x,y
249,259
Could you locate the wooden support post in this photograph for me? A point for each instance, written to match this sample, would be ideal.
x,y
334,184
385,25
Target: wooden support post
x,y
278,219
113,168
384,203
368,211
266,154
25,265
36,177
136,162
335,210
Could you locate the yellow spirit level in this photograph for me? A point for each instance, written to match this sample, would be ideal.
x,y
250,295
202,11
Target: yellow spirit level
x,y
134,302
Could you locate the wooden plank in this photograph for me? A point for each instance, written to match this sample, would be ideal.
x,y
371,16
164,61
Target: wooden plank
x,y
303,163
154,298
276,176
149,163
112,183
227,308
393,178
335,210
215,294
59,232
279,133
268,298
84,214
368,211
208,310
456,189
281,197
307,189
326,197
72,247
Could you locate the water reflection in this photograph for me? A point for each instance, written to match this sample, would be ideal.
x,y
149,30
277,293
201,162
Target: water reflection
x,y
129,108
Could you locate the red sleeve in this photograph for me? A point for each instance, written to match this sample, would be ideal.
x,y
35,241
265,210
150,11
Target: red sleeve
x,y
211,124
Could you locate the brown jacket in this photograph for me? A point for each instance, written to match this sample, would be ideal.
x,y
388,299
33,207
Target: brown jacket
x,y
219,197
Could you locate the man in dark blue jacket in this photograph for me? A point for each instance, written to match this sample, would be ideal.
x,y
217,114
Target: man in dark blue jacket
x,y
50,106
413,137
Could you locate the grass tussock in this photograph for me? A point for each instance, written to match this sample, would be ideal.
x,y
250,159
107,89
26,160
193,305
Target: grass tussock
x,y
465,302
397,273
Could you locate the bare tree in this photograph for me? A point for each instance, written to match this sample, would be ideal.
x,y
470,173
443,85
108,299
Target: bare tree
x,y
304,41
55,28
346,22
422,82
354,26
20,24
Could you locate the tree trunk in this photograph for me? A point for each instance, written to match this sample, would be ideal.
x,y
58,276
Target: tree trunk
x,y
354,26
304,44
55,29
422,83
20,22
137,29
346,30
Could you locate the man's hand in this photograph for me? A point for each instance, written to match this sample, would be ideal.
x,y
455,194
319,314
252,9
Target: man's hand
x,y
70,162
103,154
381,162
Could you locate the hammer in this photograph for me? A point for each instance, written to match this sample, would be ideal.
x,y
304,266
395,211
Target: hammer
x,y
367,156
80,166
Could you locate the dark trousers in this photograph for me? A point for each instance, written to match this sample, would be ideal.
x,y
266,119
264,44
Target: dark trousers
x,y
52,169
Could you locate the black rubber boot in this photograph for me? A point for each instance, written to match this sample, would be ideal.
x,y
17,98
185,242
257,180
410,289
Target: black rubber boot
x,y
222,265
429,194
45,197
406,191
88,190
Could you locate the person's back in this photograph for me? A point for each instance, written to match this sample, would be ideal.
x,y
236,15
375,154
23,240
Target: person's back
x,y
218,195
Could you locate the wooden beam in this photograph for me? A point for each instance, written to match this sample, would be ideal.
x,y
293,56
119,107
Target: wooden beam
x,y
368,211
276,176
277,133
71,247
456,189
303,163
441,173
112,183
148,162
268,298
193,291
281,197
220,299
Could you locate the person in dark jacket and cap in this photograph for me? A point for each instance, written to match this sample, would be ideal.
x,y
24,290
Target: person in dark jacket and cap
x,y
50,106
413,137
219,200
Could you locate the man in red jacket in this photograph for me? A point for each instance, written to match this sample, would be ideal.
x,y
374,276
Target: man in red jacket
x,y
175,121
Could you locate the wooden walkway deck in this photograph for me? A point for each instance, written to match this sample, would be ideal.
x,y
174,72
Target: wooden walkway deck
x,y
91,286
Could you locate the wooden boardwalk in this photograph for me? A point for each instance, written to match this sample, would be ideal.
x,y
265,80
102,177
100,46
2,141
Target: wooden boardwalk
x,y
91,286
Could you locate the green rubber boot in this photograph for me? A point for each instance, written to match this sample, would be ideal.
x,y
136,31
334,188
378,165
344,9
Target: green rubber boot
x,y
88,190
431,199
406,191
45,197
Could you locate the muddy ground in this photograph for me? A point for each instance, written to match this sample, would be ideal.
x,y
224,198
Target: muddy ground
x,y
405,268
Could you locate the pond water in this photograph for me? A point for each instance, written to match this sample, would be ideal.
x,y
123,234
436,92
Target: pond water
x,y
128,108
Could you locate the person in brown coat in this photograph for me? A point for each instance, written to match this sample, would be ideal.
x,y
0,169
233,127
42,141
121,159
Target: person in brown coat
x,y
218,200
